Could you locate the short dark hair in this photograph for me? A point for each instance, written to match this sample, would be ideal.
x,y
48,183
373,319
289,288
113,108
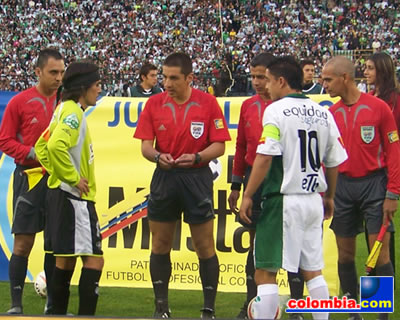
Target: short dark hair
x,y
289,69
181,60
305,62
145,69
262,59
79,76
44,56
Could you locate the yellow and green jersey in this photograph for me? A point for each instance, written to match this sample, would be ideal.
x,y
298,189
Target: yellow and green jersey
x,y
65,150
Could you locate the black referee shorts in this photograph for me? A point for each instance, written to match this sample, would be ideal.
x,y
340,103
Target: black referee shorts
x,y
359,201
28,205
181,190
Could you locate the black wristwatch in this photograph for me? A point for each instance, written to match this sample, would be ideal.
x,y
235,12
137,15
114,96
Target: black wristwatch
x,y
197,158
157,158
236,186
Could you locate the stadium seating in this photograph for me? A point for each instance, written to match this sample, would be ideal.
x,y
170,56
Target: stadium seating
x,y
121,35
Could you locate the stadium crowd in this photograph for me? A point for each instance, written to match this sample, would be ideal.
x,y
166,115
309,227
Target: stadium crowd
x,y
122,35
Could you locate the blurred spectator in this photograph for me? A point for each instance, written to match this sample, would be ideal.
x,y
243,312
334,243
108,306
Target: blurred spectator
x,y
362,86
148,82
309,86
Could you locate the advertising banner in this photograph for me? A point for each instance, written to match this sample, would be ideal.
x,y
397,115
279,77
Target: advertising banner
x,y
123,178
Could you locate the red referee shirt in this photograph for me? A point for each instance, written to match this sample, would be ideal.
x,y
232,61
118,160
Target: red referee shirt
x,y
248,135
26,116
187,128
370,137
394,105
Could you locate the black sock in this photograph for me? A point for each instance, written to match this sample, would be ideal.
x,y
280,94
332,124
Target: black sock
x,y
17,274
385,270
250,283
61,282
49,265
392,250
296,284
372,273
348,279
160,271
209,274
88,291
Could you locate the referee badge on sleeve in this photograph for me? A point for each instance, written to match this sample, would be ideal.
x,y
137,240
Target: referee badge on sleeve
x,y
393,136
219,124
197,129
367,133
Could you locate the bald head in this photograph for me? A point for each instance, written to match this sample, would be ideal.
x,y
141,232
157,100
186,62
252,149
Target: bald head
x,y
338,80
341,65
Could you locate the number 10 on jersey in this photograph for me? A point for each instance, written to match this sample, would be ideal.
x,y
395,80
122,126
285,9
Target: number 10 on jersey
x,y
309,159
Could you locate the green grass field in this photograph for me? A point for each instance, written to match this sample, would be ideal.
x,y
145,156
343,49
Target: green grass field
x,y
138,303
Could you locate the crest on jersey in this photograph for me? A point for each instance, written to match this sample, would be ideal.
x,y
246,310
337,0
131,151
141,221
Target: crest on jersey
x,y
197,129
367,133
72,121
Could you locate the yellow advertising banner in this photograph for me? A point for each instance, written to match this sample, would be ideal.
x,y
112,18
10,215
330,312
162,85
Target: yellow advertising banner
x,y
123,179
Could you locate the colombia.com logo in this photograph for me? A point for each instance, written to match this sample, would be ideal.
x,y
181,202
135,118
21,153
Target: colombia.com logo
x,y
376,296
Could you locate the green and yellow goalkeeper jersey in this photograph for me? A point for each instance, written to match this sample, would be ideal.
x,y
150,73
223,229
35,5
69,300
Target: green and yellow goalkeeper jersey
x,y
65,150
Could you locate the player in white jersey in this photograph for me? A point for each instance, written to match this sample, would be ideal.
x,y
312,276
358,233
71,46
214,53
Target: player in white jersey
x,y
298,137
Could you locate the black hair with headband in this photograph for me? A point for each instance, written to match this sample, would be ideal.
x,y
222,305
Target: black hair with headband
x,y
79,77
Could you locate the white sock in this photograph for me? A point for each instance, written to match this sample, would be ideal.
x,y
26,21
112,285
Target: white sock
x,y
267,302
318,290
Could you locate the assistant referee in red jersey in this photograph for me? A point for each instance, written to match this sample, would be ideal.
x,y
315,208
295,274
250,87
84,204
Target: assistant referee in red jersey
x,y
368,185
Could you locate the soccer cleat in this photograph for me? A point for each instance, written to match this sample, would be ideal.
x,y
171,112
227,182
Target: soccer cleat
x,y
296,316
15,310
207,313
48,309
162,311
162,315
243,313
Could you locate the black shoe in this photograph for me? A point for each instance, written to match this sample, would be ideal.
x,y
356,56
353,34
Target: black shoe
x,y
207,313
243,312
15,310
48,310
162,314
162,311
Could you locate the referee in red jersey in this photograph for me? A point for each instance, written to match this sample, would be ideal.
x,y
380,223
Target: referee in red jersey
x,y
26,116
368,185
182,129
